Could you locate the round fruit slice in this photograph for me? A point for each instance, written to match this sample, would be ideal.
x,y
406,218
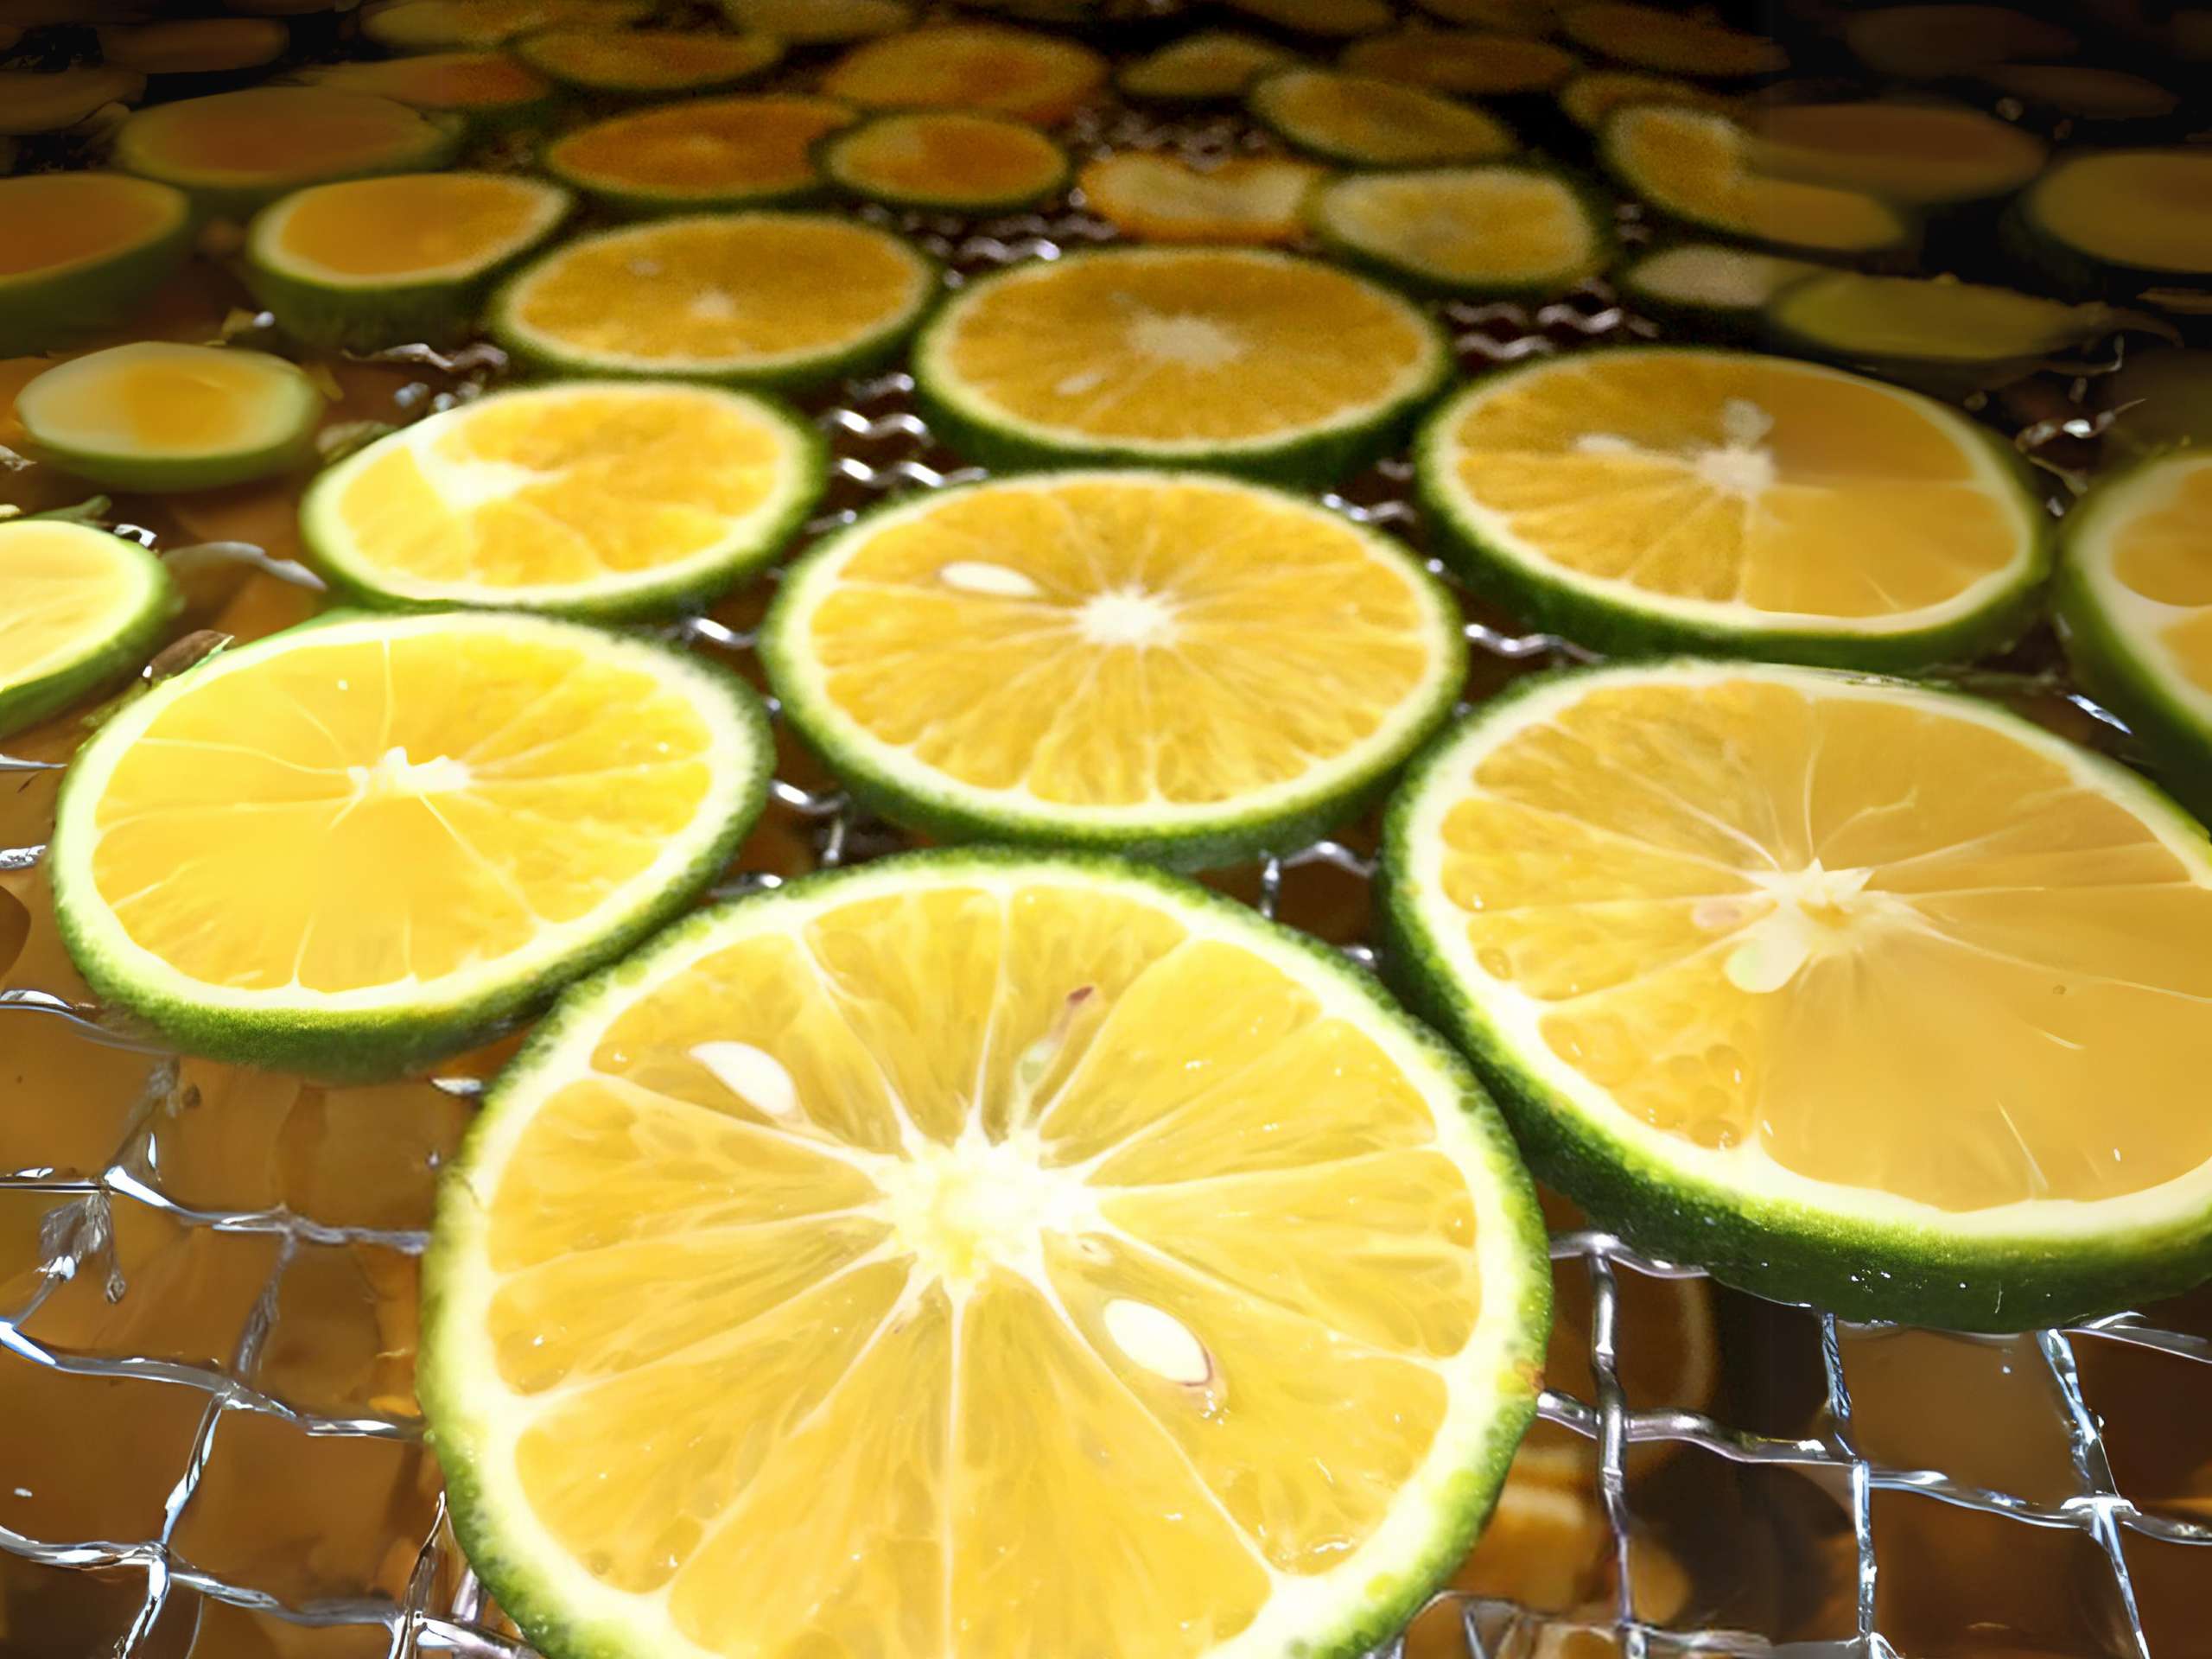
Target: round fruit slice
x,y
1703,285
754,299
356,845
232,152
1954,336
1921,154
84,607
198,45
1471,230
1935,42
2135,598
725,152
1329,19
1652,39
2084,91
1235,358
82,251
813,22
488,89
1668,497
1855,993
1699,166
946,161
608,499
372,262
923,1248
987,67
1180,666
1214,66
2119,221
443,25
1590,99
2156,400
1161,198
1469,63
48,100
158,416
648,62
1361,121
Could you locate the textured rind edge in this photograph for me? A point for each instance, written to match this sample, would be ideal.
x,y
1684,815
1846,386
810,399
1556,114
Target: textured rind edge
x,y
675,596
1198,844
25,705
1305,143
436,145
1595,207
1777,1249
292,448
1618,628
529,1596
40,313
386,1043
824,149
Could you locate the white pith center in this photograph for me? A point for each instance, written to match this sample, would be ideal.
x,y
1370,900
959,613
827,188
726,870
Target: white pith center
x,y
1740,465
711,305
1814,911
1128,616
1194,342
394,777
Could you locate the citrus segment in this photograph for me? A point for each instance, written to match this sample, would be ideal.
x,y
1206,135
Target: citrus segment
x,y
1680,495
351,846
648,61
83,606
1478,230
484,86
1011,72
762,297
1468,63
1181,662
811,22
81,250
704,153
439,25
946,159
1903,152
1364,121
235,152
1210,66
612,499
1157,198
1021,1404
1653,39
1236,357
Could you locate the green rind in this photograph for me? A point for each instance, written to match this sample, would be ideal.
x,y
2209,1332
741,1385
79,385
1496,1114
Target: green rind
x,y
1305,142
435,147
1556,604
45,311
536,1603
825,162
388,1043
117,470
1596,211
27,702
673,596
1774,1248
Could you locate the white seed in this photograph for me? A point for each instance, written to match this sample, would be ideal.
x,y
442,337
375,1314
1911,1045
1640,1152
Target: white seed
x,y
1160,1342
752,1074
978,576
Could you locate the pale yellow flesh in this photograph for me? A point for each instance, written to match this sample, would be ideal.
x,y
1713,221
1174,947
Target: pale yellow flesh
x,y
1914,153
58,219
159,401
1019,73
67,595
411,224
703,147
2151,209
1700,165
948,155
1472,224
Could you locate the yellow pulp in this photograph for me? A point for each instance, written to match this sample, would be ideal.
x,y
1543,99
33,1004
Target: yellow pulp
x,y
1750,480
945,1276
1878,943
1589,99
651,57
411,224
947,155
58,219
559,487
1699,165
1186,344
66,593
970,65
819,20
2164,553
439,80
157,399
274,132
1113,641
1214,63
357,815
1380,121
1497,223
707,147
1161,198
752,287
1906,152
1653,39
1471,64
2151,208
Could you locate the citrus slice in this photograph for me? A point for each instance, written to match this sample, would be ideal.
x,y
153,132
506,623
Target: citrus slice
x,y
1853,992
919,1256
2119,221
488,89
946,161
1704,286
1183,665
1215,65
1467,62
2084,91
1163,198
1935,42
1649,38
1699,167
987,67
2132,595
1238,358
757,299
1331,19
648,62
701,153
1364,121
197,46
232,152
1470,230
608,499
48,100
354,846
154,416
82,608
814,21
1683,497
1590,99
1915,153
82,251
370,262
444,25
1943,334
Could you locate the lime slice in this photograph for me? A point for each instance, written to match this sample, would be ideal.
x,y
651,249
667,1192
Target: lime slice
x,y
1690,498
1703,285
946,161
2118,222
443,25
1590,99
754,299
1235,358
198,45
82,251
927,1249
1162,198
486,89
607,499
1466,230
1329,19
1919,154
158,416
2084,90
48,100
84,607
372,263
648,62
1939,334
701,153
985,66
1853,992
1171,663
1649,38
355,845
1936,43
1364,121
811,22
1214,66
1467,63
